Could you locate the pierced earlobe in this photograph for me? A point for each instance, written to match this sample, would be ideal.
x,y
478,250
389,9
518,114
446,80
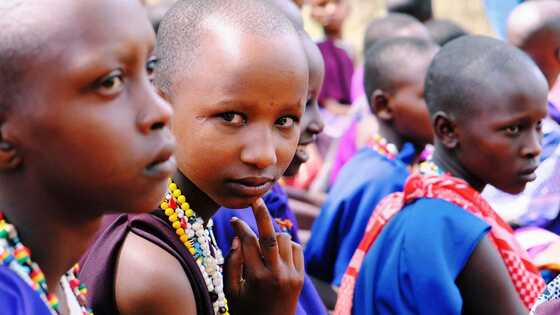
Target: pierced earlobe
x,y
444,130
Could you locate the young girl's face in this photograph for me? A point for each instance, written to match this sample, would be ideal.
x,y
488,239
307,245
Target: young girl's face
x,y
90,126
311,122
238,114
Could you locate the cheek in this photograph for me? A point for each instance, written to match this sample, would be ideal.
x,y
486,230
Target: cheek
x,y
286,146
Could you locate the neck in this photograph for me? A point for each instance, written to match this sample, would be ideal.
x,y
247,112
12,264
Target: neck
x,y
390,135
199,201
57,235
449,163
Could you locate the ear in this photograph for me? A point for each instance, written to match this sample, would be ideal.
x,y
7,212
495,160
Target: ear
x,y
380,104
9,157
445,130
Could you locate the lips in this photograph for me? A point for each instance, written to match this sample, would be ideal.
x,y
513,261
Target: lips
x,y
163,164
528,174
250,186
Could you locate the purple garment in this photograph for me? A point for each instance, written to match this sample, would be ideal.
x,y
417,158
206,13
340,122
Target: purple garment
x,y
347,148
17,297
98,266
277,202
358,83
553,112
338,73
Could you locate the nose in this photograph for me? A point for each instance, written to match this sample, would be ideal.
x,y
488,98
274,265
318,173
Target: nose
x,y
155,113
259,150
316,124
532,147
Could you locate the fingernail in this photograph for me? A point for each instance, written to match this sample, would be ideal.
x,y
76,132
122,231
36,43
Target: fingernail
x,y
235,244
233,219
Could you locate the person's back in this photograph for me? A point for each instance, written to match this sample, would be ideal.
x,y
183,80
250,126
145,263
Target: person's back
x,y
438,247
381,168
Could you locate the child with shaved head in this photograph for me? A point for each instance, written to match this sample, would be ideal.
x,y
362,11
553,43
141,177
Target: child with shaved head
x,y
365,124
396,97
438,247
82,133
237,76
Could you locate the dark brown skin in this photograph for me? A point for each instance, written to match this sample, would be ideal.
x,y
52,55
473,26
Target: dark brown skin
x,y
237,127
79,141
311,122
402,114
493,145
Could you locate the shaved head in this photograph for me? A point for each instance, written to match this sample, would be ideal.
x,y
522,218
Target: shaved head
x,y
444,31
529,18
420,9
475,71
534,27
394,25
189,22
380,72
291,11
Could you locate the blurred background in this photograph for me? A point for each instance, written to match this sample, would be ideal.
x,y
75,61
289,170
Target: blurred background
x,y
470,14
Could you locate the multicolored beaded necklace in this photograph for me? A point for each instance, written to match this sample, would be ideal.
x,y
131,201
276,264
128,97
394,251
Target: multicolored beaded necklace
x,y
383,147
430,168
198,241
17,257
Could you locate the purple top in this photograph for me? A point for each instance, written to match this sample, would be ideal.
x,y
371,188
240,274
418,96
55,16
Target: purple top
x,y
358,83
347,148
98,266
338,73
276,200
17,297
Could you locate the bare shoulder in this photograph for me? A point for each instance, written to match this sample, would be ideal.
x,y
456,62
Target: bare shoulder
x,y
150,281
486,286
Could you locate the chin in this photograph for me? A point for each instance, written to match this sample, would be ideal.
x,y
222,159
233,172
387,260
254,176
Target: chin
x,y
513,190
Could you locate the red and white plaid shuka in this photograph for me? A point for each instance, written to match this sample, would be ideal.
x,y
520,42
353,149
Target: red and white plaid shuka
x,y
524,275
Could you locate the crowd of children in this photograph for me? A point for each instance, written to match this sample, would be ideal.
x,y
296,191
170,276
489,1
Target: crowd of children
x,y
162,174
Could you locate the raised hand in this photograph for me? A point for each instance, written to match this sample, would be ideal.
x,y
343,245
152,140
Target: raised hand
x,y
264,275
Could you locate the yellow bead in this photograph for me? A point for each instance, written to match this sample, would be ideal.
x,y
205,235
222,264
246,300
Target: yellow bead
x,y
164,205
176,193
181,199
176,224
192,250
169,211
184,238
189,213
173,218
180,231
185,206
172,186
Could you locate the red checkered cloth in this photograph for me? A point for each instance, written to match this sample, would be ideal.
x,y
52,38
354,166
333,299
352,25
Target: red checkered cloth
x,y
524,275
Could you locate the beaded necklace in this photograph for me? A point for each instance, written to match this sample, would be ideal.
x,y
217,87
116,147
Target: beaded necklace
x,y
198,241
17,257
383,147
430,168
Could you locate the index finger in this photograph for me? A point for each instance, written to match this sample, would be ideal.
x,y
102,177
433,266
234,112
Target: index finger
x,y
267,235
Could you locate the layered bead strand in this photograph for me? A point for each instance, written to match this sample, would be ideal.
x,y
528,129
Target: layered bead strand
x,y
383,147
17,257
200,243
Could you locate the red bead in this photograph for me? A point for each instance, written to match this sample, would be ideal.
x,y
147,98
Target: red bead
x,y
74,283
183,223
172,203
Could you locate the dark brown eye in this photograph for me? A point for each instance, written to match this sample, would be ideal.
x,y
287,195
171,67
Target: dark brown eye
x,y
151,67
233,118
286,122
112,84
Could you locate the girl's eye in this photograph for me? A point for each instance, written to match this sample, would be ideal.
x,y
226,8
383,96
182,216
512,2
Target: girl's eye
x,y
111,84
233,118
513,130
151,67
539,126
286,122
